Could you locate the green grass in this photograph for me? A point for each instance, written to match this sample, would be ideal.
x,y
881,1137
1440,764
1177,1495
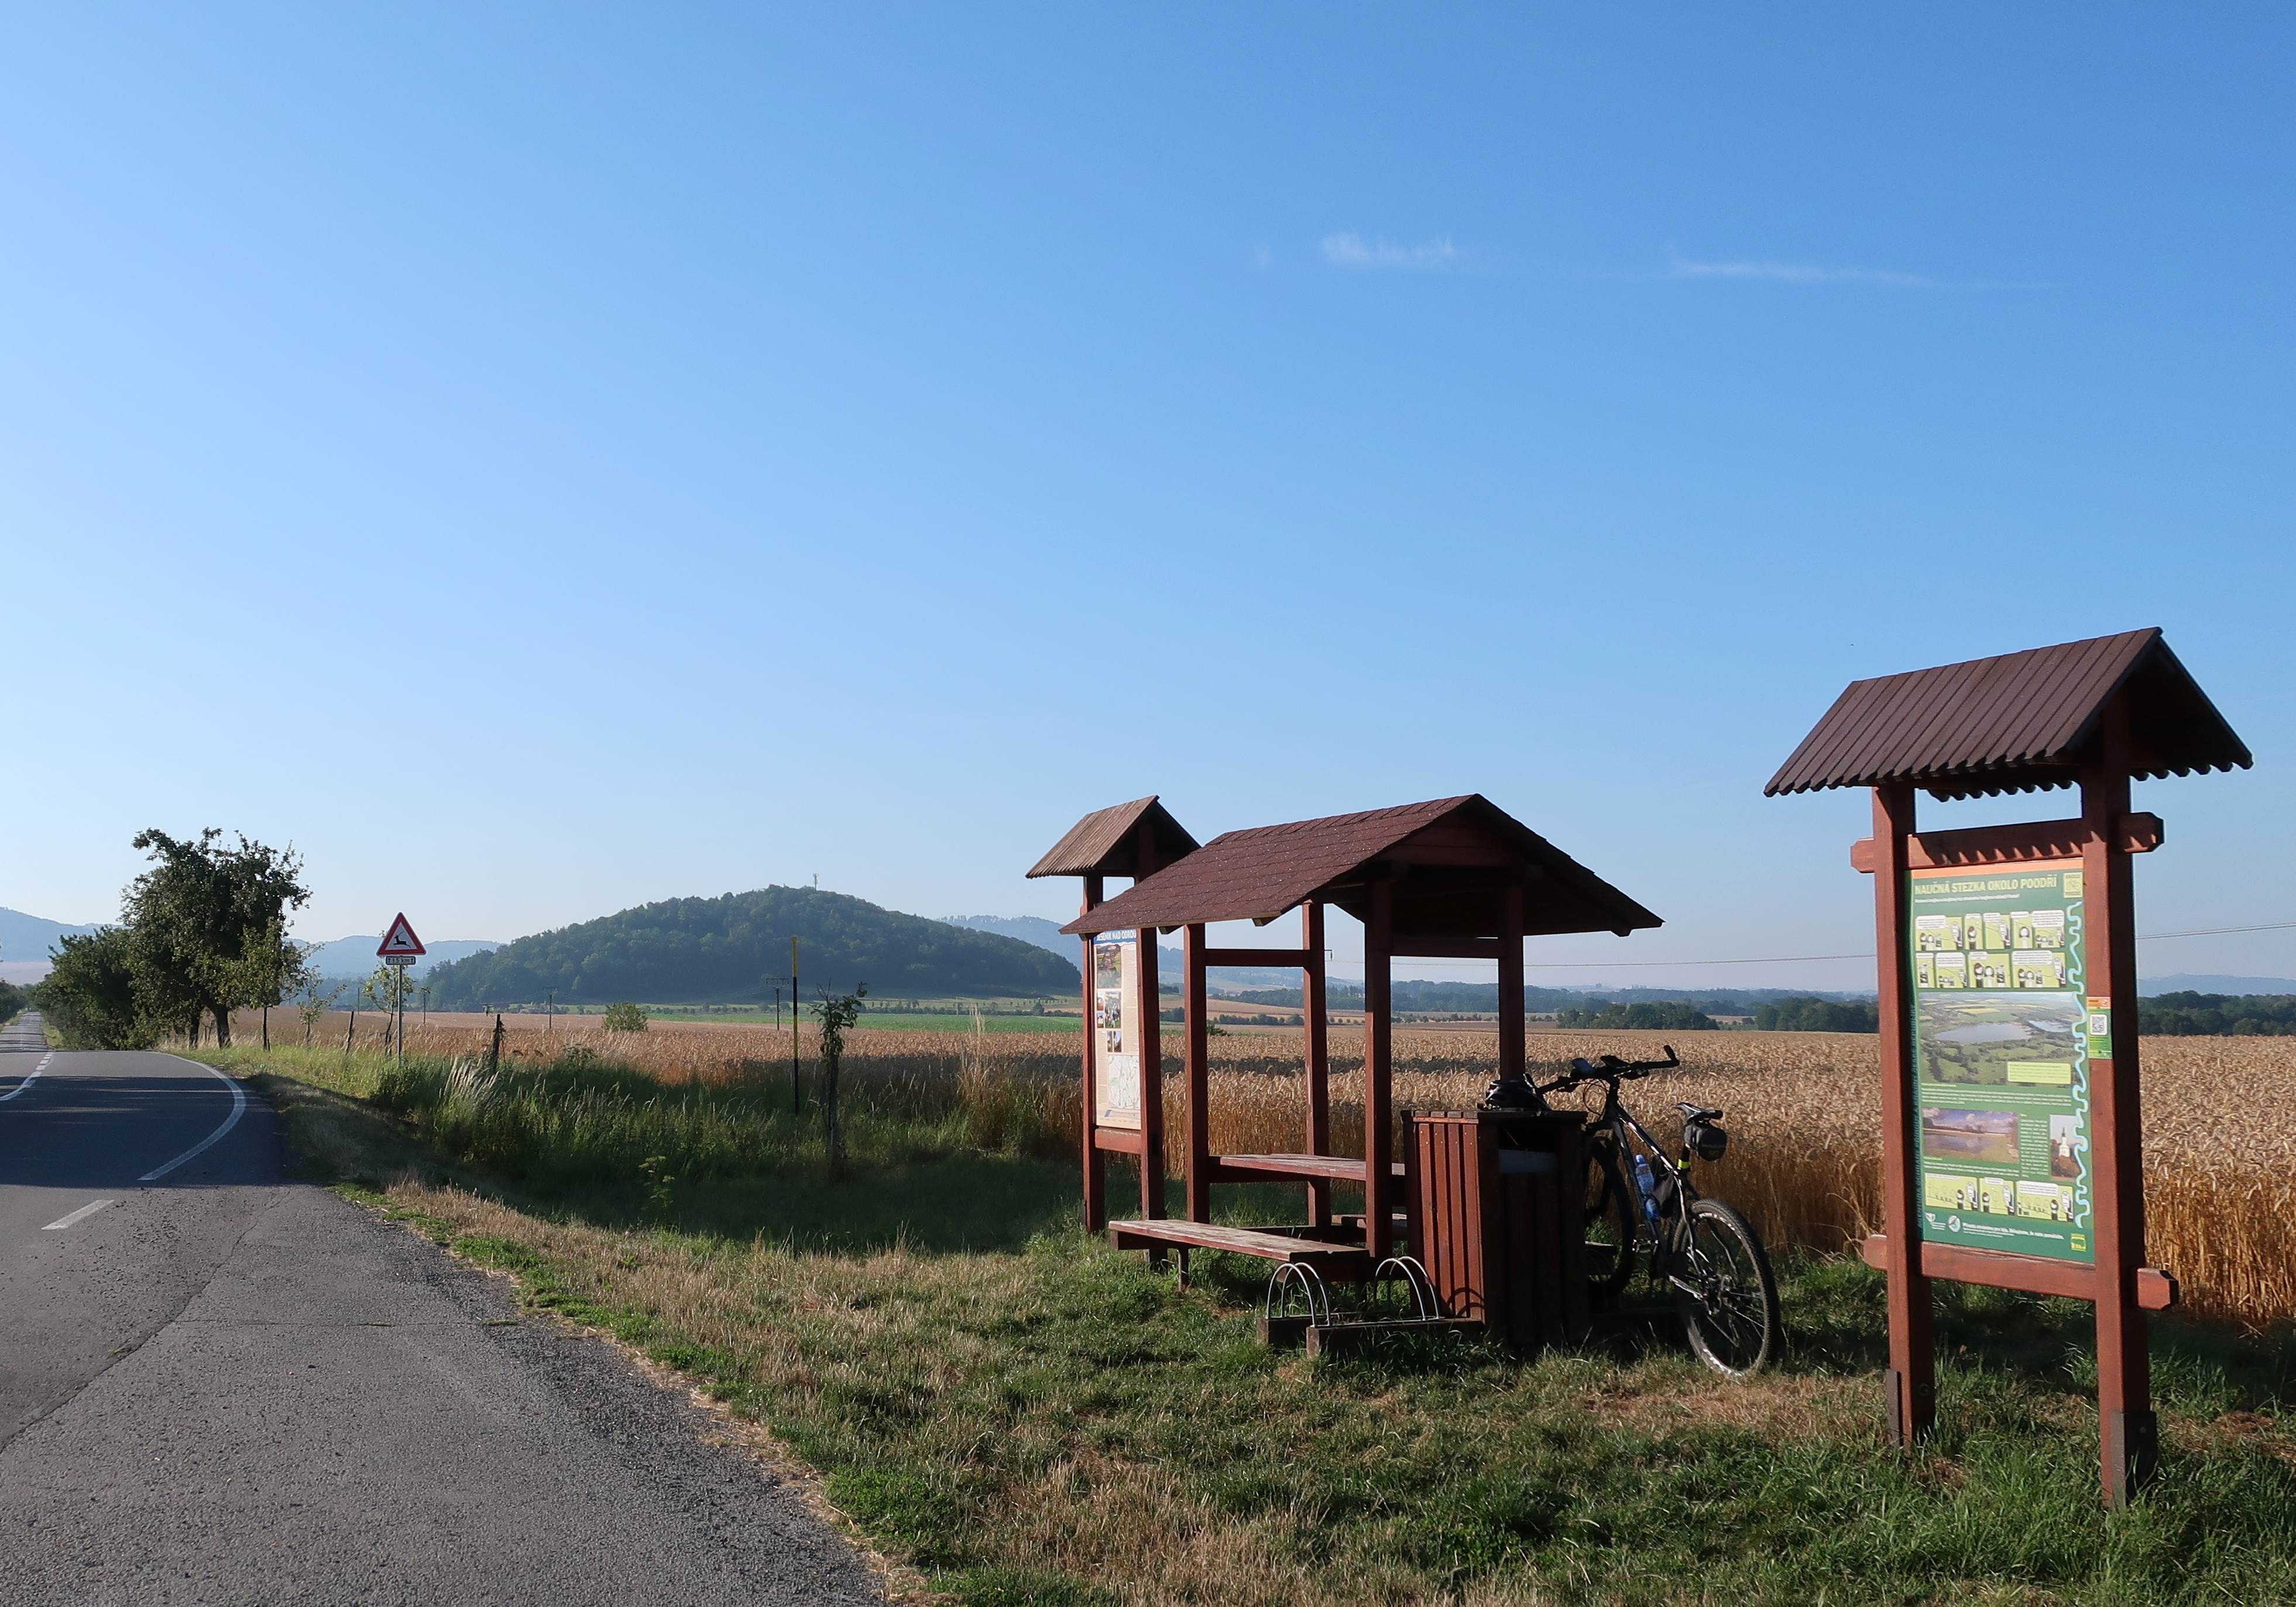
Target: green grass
x,y
1029,1418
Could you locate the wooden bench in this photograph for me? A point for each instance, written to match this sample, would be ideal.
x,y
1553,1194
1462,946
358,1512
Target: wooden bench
x,y
1250,1168
1345,1261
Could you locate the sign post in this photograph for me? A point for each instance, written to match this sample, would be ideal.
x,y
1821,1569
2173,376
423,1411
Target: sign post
x,y
2012,1141
399,949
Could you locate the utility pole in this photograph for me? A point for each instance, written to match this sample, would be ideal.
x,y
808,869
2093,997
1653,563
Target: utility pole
x,y
549,1003
797,1103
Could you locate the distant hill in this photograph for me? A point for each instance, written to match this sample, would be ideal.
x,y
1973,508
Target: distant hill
x,y
735,948
28,937
1047,936
355,956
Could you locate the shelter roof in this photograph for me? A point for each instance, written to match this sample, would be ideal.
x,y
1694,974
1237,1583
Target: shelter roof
x,y
2016,722
1449,860
1106,842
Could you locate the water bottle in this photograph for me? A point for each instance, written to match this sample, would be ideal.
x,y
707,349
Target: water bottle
x,y
1646,1187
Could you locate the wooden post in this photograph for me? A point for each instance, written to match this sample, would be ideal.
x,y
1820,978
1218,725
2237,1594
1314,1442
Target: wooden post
x,y
1511,1026
2129,1432
1096,1166
1199,1074
1317,1057
1146,864
1912,1378
1151,1079
1379,1069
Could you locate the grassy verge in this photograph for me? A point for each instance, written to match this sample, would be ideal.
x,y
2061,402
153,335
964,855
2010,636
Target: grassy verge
x,y
1028,1418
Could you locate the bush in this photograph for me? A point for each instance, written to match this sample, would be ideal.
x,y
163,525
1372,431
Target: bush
x,y
626,1018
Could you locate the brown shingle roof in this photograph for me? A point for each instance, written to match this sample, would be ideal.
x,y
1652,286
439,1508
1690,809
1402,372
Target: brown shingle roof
x,y
1106,842
2015,722
1452,855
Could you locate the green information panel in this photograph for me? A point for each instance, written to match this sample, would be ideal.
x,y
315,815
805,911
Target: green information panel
x,y
2002,1041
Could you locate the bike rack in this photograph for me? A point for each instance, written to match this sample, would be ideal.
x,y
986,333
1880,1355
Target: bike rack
x,y
1411,1274
1296,1277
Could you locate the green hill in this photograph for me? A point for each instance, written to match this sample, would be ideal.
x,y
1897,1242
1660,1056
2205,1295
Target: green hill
x,y
735,948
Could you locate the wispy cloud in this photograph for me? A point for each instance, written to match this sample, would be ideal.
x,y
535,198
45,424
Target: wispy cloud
x,y
1801,273
1350,250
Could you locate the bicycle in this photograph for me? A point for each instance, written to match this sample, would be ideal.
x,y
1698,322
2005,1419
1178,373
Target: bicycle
x,y
1700,1248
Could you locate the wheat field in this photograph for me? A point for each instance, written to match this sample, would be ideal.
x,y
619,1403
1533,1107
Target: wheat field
x,y
1802,1110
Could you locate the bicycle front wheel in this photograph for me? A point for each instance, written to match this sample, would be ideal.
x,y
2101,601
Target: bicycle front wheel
x,y
1611,1211
1725,1290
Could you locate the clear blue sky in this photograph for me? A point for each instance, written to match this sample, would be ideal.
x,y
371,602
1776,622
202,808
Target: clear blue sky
x,y
539,461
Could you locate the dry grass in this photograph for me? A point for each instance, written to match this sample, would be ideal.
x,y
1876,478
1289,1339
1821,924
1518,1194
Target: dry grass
x,y
1803,1114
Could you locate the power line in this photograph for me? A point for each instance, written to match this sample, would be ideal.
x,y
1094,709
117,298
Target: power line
x,y
2198,931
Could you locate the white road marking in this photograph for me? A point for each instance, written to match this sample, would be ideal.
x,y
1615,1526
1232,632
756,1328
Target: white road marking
x,y
238,1107
81,1215
28,1081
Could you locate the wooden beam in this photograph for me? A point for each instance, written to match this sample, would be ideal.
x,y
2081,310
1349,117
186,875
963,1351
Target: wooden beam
x,y
1450,948
1912,1377
2136,833
1255,956
1318,1068
1199,1075
1378,1069
1123,1141
2156,1290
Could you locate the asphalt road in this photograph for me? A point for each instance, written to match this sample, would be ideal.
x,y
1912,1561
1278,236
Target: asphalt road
x,y
218,1386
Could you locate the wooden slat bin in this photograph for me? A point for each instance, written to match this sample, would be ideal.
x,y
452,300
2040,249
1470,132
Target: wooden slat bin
x,y
1498,1202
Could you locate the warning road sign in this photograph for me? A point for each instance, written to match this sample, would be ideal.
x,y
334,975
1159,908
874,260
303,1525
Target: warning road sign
x,y
400,943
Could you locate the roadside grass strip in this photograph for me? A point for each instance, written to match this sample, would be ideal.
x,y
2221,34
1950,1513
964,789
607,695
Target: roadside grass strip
x,y
1025,1417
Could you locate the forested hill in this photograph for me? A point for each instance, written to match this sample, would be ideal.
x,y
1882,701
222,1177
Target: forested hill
x,y
735,948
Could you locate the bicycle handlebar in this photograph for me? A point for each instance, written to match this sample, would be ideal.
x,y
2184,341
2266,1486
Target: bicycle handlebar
x,y
1609,1068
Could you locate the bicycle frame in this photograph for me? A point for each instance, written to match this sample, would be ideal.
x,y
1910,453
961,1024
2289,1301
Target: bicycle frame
x,y
1672,1231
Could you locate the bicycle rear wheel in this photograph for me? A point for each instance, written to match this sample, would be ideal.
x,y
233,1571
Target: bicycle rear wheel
x,y
1610,1210
1725,1291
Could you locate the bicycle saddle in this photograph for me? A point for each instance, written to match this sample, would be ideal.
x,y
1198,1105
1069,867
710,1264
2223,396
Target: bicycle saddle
x,y
1691,1113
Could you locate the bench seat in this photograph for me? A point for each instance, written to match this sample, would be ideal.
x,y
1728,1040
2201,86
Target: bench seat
x,y
1342,1260
1337,1168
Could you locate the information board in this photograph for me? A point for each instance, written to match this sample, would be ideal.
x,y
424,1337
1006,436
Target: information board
x,y
2003,1031
1116,1031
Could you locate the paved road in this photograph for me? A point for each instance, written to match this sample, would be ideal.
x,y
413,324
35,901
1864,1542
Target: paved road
x,y
216,1386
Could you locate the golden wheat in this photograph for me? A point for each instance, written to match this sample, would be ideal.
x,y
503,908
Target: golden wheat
x,y
1803,1114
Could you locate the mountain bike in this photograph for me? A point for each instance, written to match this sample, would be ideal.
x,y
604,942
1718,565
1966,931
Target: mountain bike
x,y
1642,1207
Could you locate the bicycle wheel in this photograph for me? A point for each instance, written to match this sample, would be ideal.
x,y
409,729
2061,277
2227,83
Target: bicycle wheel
x,y
1726,1292
1610,1223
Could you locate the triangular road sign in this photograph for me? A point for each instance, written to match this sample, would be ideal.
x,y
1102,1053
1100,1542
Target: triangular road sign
x,y
400,940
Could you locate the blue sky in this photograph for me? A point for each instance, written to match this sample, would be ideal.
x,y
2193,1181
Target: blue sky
x,y
539,461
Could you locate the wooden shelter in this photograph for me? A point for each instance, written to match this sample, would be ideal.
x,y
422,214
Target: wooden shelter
x,y
2094,714
1452,878
1135,839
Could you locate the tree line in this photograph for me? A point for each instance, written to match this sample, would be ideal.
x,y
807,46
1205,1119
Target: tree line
x,y
202,933
2217,1015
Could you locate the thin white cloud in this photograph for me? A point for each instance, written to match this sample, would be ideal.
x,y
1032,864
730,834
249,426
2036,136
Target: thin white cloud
x,y
1801,273
1350,250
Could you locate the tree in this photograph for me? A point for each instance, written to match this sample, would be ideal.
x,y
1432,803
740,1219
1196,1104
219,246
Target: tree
x,y
207,925
274,968
313,1003
387,990
837,1012
1805,1012
90,995
626,1018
